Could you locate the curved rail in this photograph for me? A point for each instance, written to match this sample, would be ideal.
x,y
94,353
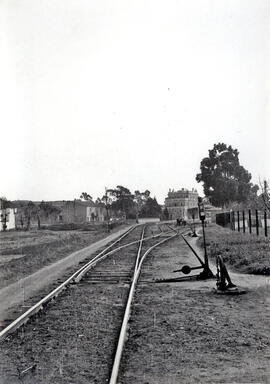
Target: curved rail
x,y
139,251
122,336
39,305
100,257
172,228
75,277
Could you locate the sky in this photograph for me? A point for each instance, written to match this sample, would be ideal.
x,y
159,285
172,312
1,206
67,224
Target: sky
x,y
97,94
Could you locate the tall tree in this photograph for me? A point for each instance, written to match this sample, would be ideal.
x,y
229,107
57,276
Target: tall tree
x,y
140,199
224,180
30,210
151,208
166,214
85,196
122,200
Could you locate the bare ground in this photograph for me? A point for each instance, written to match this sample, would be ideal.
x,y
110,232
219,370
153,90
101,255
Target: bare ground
x,y
179,332
17,297
24,252
185,333
71,341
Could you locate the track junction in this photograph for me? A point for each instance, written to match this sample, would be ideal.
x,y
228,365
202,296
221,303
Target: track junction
x,y
92,326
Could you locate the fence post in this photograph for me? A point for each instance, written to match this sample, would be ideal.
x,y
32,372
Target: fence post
x,y
244,224
265,223
238,221
233,221
257,222
249,220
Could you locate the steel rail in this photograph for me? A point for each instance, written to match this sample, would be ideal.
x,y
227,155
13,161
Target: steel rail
x,y
173,229
139,251
94,261
39,305
122,336
73,278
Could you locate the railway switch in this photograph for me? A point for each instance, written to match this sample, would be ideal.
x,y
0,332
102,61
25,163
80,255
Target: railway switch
x,y
224,282
186,269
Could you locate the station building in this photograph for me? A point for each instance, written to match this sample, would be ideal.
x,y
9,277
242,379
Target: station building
x,y
182,204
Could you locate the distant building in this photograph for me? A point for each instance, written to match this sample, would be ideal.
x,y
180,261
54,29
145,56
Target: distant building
x,y
78,211
181,204
96,213
210,211
7,218
61,211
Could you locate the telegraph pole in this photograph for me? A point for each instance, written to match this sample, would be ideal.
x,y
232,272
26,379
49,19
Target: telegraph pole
x,y
107,209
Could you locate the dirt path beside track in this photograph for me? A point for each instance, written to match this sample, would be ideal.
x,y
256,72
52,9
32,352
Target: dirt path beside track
x,y
17,293
179,332
185,333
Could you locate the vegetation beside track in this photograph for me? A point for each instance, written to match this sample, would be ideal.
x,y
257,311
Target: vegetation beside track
x,y
72,342
24,252
247,253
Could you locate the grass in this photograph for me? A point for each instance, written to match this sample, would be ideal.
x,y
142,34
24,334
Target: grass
x,y
23,253
247,253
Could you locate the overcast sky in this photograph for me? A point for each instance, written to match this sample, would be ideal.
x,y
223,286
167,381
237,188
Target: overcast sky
x,y
108,92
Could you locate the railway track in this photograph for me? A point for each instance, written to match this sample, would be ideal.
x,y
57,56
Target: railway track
x,y
119,243
98,289
137,270
176,331
60,287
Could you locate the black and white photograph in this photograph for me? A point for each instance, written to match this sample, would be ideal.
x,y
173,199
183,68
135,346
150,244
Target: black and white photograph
x,y
135,192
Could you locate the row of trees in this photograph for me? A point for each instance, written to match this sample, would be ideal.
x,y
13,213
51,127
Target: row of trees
x,y
227,183
119,202
130,205
27,211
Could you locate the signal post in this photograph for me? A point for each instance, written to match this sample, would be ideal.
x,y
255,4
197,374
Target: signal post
x,y
206,273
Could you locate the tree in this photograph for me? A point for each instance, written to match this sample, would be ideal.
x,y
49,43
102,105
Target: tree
x,y
46,210
166,214
140,199
224,180
85,196
265,195
4,206
99,202
29,210
151,208
122,200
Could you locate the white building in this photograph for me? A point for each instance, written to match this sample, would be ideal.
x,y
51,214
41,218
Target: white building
x,y
95,213
179,202
7,216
